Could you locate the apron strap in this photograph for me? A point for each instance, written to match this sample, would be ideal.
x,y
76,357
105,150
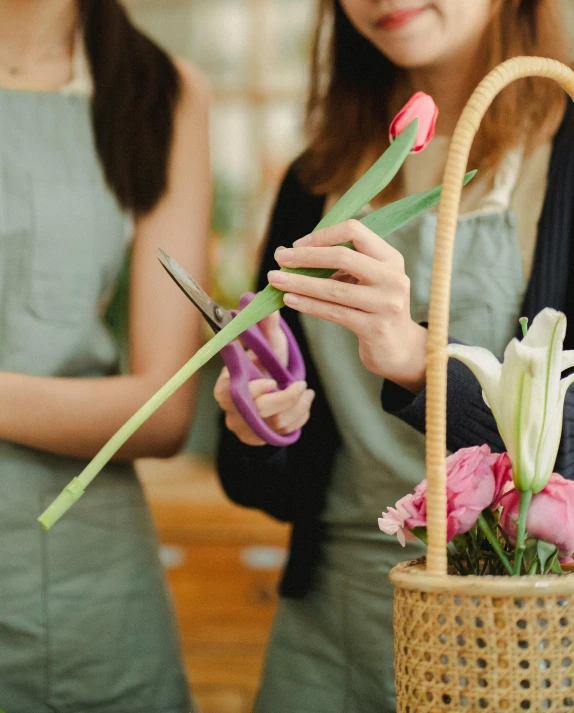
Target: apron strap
x,y
505,180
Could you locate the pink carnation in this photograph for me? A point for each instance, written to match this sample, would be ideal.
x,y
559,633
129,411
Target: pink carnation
x,y
550,516
393,521
476,479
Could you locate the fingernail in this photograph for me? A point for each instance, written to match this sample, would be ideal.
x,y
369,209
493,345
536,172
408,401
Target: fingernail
x,y
290,300
271,383
302,385
302,241
310,395
276,277
283,254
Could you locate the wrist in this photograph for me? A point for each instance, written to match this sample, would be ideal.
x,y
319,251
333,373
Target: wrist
x,y
412,374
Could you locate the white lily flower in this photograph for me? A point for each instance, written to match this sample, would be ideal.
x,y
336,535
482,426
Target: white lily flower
x,y
526,395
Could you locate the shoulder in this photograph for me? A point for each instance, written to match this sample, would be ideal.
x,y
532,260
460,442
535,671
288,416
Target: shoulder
x,y
292,190
564,137
195,88
561,173
296,213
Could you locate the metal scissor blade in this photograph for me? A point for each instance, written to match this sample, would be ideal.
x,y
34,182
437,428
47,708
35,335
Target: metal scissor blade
x,y
215,315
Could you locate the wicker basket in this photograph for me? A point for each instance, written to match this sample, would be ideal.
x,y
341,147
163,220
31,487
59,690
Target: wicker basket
x,y
475,643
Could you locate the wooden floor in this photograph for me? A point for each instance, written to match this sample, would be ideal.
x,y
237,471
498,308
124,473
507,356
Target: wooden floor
x,y
223,565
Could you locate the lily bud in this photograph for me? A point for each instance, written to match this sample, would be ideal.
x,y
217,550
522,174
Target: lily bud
x,y
422,107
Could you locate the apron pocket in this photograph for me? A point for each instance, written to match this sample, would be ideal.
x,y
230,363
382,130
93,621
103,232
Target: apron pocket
x,y
62,282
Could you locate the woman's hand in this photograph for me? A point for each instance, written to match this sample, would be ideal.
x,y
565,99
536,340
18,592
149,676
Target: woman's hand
x,y
283,411
369,295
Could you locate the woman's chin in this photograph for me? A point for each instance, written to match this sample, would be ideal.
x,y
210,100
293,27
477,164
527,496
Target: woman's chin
x,y
411,56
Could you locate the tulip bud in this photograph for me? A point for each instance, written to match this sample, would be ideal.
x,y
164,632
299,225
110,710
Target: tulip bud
x,y
420,106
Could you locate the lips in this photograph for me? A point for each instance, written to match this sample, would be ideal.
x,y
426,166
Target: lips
x,y
398,19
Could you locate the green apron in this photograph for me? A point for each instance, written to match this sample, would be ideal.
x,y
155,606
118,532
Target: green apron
x,y
86,624
332,652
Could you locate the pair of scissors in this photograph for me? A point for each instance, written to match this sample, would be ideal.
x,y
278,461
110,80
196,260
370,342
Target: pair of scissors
x,y
241,369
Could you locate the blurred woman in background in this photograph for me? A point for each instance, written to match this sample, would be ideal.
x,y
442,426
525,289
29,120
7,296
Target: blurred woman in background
x,y
363,333
103,148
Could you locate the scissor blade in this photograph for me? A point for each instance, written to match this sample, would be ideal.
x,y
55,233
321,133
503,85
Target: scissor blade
x,y
215,315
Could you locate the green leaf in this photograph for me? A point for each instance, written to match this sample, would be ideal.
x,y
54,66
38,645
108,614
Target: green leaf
x,y
420,532
374,180
385,221
545,551
267,301
555,567
530,553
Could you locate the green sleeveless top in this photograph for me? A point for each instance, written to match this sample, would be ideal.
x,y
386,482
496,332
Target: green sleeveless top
x,y
85,622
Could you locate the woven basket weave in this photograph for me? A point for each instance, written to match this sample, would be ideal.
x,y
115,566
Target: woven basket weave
x,y
475,643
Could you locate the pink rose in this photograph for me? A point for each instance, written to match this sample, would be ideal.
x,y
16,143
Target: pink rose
x,y
420,106
470,488
550,516
476,479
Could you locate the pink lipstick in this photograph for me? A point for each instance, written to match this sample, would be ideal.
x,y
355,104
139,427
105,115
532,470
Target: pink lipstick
x,y
398,19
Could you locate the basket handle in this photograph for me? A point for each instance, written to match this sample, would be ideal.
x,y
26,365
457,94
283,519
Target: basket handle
x,y
466,128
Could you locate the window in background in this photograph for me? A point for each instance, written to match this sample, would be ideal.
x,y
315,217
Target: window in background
x,y
254,53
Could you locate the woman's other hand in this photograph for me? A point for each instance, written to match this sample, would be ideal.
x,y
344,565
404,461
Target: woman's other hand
x,y
369,295
284,411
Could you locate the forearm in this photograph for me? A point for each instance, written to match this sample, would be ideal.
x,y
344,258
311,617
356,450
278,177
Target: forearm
x,y
565,459
77,416
469,420
287,483
254,476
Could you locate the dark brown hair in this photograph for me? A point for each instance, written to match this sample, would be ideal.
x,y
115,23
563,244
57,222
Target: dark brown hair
x,y
352,84
136,90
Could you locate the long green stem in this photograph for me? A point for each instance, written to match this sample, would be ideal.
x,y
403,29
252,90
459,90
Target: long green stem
x,y
383,222
525,498
75,488
270,299
491,537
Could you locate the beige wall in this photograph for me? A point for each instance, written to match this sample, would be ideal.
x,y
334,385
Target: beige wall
x,y
568,10
169,21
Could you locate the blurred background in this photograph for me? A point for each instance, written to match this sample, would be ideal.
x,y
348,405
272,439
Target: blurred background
x,y
223,562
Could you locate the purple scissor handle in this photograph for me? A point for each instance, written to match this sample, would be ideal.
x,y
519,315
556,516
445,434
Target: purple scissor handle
x,y
241,369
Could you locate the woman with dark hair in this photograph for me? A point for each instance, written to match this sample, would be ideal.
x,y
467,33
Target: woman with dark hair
x,y
103,153
363,333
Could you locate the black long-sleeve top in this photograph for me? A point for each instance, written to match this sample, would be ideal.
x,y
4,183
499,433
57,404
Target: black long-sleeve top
x,y
290,483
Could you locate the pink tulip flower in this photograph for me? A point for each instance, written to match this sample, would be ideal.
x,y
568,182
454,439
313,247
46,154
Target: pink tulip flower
x,y
420,106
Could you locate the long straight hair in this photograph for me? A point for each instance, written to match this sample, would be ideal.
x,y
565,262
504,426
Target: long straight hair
x,y
352,85
136,90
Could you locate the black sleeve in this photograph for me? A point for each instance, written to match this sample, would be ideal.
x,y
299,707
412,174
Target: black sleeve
x,y
469,421
288,483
